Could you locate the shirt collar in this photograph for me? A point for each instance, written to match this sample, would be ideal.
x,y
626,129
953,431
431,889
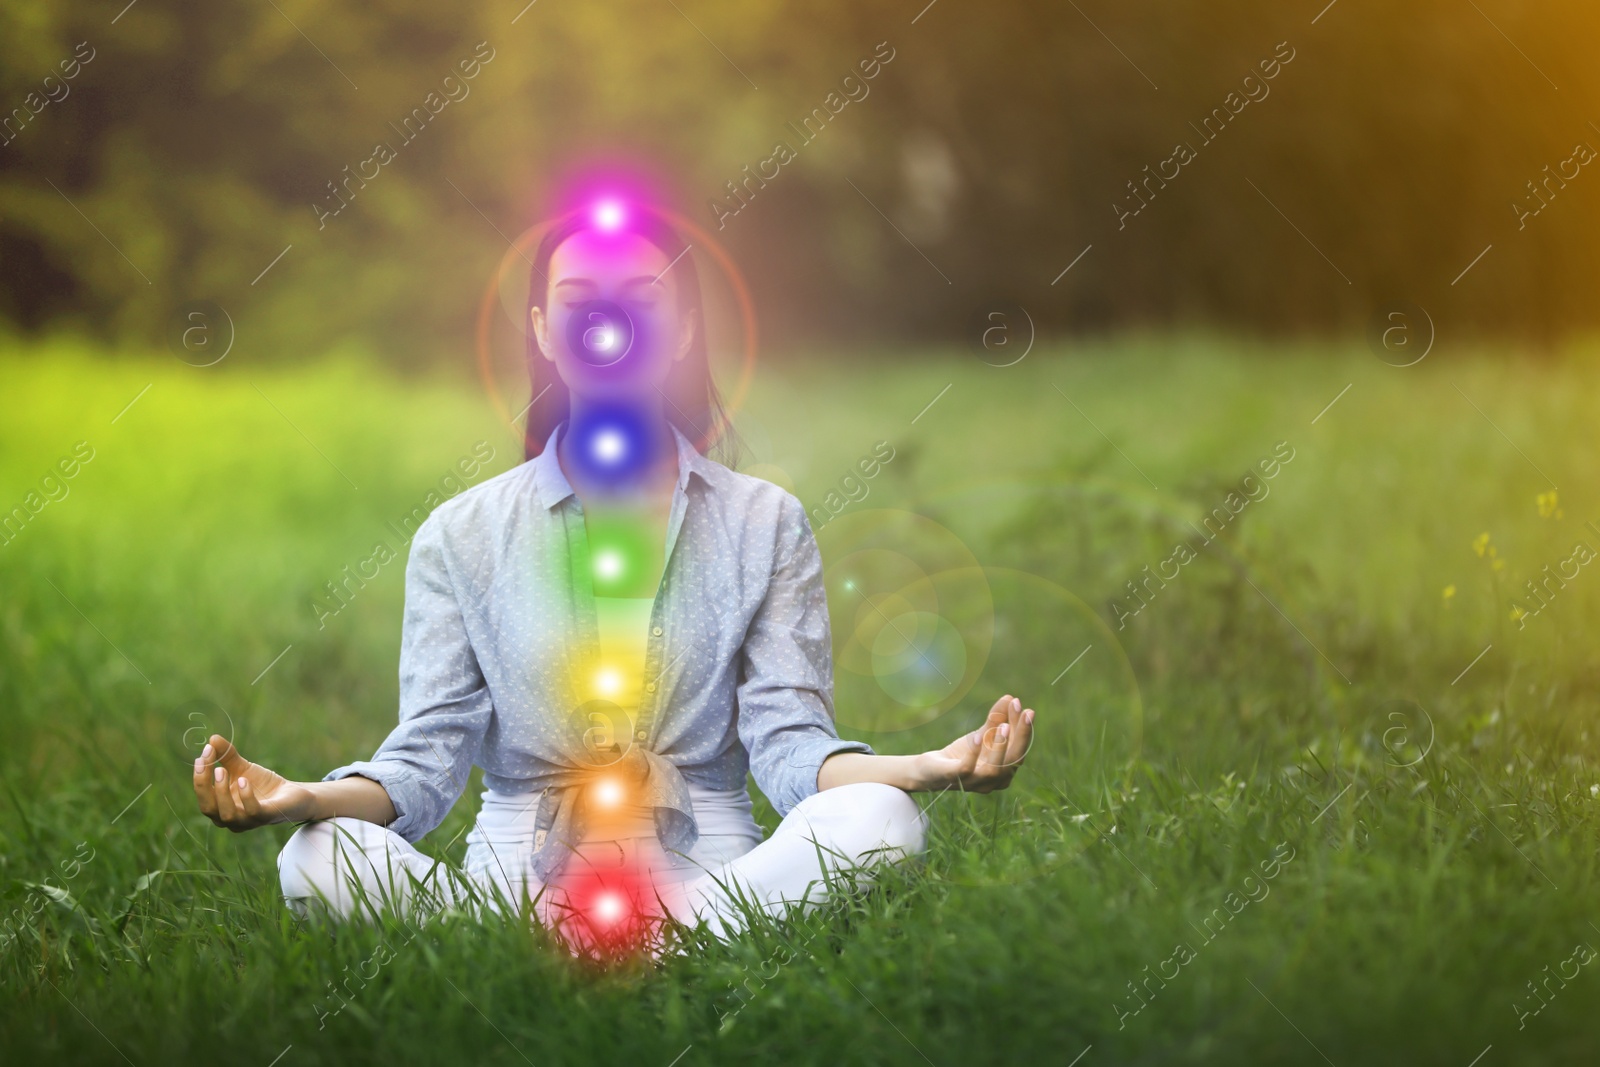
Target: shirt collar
x,y
551,485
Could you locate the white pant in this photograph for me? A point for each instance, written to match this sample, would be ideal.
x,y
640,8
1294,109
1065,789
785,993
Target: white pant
x,y
354,867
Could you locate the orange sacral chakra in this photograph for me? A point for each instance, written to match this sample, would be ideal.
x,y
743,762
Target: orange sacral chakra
x,y
608,792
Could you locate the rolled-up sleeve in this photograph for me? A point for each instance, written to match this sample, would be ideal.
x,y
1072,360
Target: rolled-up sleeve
x,y
445,706
786,695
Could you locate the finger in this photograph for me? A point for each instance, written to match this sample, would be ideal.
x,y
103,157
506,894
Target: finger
x,y
241,817
996,716
219,789
246,798
994,747
992,771
1021,737
228,756
1013,712
238,800
202,783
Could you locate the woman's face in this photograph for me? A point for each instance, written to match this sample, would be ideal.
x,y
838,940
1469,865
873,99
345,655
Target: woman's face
x,y
611,322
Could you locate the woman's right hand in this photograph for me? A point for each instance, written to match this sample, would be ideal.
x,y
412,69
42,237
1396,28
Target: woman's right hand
x,y
241,795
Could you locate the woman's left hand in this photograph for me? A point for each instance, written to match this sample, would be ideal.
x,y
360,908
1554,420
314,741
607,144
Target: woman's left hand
x,y
985,759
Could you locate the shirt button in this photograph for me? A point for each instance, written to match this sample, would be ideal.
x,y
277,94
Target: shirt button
x,y
640,736
651,688
656,631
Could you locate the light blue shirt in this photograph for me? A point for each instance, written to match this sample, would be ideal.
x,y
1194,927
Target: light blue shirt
x,y
499,604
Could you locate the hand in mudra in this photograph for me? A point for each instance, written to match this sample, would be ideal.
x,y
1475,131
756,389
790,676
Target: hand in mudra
x,y
985,759
241,795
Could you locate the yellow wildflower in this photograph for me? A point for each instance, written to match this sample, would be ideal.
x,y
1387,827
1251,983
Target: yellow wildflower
x,y
1449,591
1480,544
1549,505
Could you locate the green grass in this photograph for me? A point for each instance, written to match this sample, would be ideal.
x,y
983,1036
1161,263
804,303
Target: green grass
x,y
1441,860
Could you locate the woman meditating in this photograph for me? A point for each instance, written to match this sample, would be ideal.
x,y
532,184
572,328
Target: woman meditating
x,y
616,631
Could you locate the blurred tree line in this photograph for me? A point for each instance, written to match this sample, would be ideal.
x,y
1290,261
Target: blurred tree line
x,y
970,169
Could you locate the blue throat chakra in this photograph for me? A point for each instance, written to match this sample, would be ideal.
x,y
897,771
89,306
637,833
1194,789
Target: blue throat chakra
x,y
612,444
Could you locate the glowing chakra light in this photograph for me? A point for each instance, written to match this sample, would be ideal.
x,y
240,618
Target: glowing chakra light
x,y
608,793
601,333
613,446
608,564
610,446
608,216
608,907
608,680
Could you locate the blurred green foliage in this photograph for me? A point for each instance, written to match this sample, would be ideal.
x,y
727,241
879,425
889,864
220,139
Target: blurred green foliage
x,y
995,146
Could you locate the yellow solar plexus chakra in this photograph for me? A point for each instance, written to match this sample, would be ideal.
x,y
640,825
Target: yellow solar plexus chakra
x,y
624,624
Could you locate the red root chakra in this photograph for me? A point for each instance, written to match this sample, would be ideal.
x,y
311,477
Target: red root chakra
x,y
606,912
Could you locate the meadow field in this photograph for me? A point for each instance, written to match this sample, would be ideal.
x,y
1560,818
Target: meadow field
x,y
1320,785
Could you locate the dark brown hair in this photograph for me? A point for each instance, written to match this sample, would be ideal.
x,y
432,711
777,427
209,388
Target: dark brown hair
x,y
694,405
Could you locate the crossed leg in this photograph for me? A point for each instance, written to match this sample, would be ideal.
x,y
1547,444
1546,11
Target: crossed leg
x,y
354,869
839,833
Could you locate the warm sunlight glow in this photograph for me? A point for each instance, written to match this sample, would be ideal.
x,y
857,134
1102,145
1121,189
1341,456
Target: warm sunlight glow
x,y
608,793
